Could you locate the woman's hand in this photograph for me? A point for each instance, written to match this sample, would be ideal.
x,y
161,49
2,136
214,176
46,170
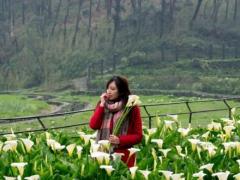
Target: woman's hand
x,y
114,139
103,98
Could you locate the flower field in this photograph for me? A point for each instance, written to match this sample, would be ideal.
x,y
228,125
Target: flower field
x,y
166,152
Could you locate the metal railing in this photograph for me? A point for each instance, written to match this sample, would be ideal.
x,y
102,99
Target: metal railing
x,y
146,108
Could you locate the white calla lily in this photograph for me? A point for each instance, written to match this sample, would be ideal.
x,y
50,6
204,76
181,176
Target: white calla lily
x,y
10,145
207,166
108,169
237,176
132,151
165,151
133,171
177,176
20,167
228,130
194,143
70,148
222,175
34,177
183,131
167,174
105,144
145,173
159,142
199,175
28,144
168,124
79,151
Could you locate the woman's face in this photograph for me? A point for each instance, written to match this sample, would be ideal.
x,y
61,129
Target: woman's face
x,y
112,91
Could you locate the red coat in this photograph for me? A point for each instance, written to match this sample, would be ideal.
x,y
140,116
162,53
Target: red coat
x,y
133,136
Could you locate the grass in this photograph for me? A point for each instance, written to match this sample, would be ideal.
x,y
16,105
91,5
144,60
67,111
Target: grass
x,y
198,119
20,105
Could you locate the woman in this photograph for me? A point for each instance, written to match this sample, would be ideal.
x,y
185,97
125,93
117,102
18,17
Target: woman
x,y
106,114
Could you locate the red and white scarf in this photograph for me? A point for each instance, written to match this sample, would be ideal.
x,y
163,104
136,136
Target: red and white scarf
x,y
112,111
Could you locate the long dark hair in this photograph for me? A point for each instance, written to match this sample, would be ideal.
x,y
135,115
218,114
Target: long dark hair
x,y
122,86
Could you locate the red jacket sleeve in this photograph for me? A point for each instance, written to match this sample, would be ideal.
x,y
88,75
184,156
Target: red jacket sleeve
x,y
134,135
97,117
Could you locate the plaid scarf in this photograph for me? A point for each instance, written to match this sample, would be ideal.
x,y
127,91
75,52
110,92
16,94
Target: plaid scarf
x,y
112,111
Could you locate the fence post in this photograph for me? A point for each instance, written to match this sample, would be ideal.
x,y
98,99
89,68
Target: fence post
x,y
149,117
39,120
190,112
229,109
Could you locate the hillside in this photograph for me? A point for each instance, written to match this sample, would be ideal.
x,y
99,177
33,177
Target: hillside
x,y
158,44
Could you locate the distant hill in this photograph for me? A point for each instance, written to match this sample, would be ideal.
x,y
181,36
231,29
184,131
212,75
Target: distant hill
x,y
158,44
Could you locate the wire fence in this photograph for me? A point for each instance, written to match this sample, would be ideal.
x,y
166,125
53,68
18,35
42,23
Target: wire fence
x,y
146,108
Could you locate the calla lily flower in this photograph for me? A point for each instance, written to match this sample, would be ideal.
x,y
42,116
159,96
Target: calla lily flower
x,y
214,126
20,167
10,137
179,151
10,178
145,173
194,143
206,135
152,131
108,169
105,144
10,145
28,144
86,138
79,151
132,151
70,148
133,171
177,176
94,147
34,177
133,100
167,174
100,156
165,151
207,166
173,116
199,175
228,130
158,141
117,155
48,135
237,176
183,131
168,124
222,175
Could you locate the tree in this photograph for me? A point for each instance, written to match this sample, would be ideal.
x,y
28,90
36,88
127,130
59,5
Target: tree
x,y
196,12
235,10
77,23
66,20
116,19
56,17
